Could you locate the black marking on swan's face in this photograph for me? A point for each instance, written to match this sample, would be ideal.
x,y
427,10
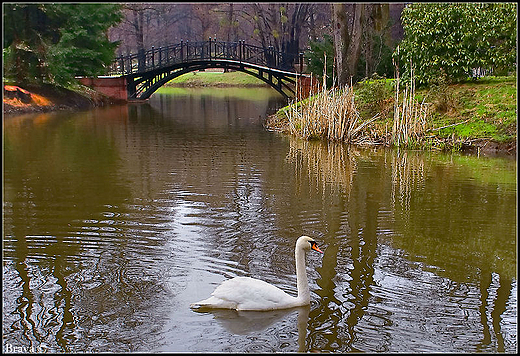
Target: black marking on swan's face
x,y
314,246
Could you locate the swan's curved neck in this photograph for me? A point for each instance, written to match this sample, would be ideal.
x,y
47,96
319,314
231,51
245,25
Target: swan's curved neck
x,y
301,276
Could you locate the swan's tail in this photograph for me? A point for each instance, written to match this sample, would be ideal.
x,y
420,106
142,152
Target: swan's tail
x,y
213,303
196,306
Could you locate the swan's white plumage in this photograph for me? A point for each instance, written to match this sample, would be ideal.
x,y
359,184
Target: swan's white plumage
x,y
245,293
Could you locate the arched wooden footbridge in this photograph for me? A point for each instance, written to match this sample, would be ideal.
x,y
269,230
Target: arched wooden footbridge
x,y
147,71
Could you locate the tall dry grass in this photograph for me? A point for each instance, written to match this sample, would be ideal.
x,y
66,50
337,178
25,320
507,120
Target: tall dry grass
x,y
327,113
332,114
409,115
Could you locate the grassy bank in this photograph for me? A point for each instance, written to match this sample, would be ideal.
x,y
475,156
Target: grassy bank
x,y
215,78
477,115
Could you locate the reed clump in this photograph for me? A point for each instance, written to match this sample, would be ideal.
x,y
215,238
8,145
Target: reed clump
x,y
328,113
409,123
332,114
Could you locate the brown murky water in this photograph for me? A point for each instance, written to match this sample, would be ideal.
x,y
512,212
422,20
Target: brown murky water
x,y
116,219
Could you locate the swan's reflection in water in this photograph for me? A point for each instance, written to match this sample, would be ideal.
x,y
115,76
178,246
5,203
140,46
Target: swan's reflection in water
x,y
246,322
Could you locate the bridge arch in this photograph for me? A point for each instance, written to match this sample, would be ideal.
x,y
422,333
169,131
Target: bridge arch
x,y
143,86
145,72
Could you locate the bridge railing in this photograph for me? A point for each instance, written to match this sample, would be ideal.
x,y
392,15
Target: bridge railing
x,y
157,58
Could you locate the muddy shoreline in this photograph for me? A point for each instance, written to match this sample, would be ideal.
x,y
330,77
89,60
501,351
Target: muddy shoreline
x,y
46,98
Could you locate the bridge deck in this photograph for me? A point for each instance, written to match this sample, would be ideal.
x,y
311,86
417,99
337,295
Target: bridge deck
x,y
206,50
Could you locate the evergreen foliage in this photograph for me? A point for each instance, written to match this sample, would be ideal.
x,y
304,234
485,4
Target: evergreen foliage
x,y
320,51
56,42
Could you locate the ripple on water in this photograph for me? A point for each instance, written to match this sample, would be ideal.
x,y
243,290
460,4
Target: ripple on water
x,y
414,310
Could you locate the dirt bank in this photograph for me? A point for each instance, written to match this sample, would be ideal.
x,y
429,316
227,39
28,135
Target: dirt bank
x,y
44,98
491,148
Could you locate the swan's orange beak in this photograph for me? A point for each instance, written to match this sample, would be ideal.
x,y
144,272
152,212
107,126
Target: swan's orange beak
x,y
316,248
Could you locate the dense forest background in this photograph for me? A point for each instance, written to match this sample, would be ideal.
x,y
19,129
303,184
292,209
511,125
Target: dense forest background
x,y
262,24
55,42
284,26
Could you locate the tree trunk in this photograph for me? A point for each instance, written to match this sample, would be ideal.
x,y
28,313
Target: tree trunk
x,y
347,32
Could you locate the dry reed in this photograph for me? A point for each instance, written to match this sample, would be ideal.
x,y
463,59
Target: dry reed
x,y
332,114
329,113
409,115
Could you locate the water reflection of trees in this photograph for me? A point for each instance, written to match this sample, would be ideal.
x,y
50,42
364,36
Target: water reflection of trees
x,y
61,216
470,240
436,208
348,263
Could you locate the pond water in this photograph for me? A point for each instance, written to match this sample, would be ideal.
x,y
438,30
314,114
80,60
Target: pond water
x,y
116,219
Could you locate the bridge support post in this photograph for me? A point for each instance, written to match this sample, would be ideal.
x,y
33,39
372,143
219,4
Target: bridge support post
x,y
131,88
122,64
114,88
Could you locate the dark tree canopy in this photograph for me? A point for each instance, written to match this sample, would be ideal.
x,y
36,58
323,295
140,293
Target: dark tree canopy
x,y
55,42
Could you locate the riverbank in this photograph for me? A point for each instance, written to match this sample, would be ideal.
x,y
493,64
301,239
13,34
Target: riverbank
x,y
24,99
477,117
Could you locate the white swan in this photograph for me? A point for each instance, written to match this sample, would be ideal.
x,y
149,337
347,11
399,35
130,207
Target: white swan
x,y
245,293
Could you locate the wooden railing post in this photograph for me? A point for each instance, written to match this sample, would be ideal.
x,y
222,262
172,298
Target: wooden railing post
x,y
122,64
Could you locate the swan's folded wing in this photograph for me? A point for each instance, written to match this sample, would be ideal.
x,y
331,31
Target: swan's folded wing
x,y
252,294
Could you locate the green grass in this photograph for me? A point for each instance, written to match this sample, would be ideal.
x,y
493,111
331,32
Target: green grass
x,y
208,78
250,94
489,105
482,109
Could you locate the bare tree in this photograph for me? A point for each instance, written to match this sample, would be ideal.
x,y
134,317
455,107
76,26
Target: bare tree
x,y
376,26
206,15
280,26
146,25
286,27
